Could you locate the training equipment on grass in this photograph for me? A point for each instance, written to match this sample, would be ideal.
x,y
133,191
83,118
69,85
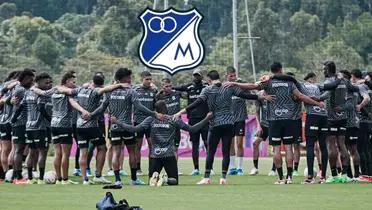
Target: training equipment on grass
x,y
50,177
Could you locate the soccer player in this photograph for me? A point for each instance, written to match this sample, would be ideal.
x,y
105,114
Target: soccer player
x,y
163,133
146,95
280,116
5,126
18,121
120,103
363,140
219,99
239,108
194,116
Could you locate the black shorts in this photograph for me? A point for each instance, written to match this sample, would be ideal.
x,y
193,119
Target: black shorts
x,y
315,124
120,137
337,128
239,128
177,139
145,133
61,135
49,134
168,163
19,134
89,135
37,139
6,132
74,131
351,136
265,133
297,137
281,131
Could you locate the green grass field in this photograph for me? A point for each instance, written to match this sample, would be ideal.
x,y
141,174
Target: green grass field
x,y
243,192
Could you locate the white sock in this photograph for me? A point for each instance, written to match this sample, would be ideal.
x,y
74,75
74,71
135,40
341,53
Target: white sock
x,y
232,162
240,162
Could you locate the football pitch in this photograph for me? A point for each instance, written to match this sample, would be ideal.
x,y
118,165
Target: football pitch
x,y
242,192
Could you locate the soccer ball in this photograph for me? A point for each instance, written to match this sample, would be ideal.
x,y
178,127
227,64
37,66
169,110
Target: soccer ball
x,y
9,175
50,177
306,172
35,175
25,174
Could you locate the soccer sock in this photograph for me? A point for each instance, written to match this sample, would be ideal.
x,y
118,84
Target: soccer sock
x,y
334,171
345,169
289,171
349,172
196,167
232,162
60,179
10,167
24,158
2,173
240,162
65,179
133,174
296,166
273,168
42,171
280,173
29,171
339,169
98,175
117,175
224,174
356,171
207,173
255,163
320,167
139,166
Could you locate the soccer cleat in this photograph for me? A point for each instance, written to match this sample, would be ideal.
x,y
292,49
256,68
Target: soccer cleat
x,y
117,185
69,182
254,171
280,181
136,182
180,173
272,173
58,182
162,180
322,180
289,180
139,173
101,180
77,172
240,172
154,179
223,181
110,173
308,181
20,181
212,173
204,181
295,173
41,182
232,171
89,182
89,173
344,179
332,180
195,172
319,174
32,181
122,173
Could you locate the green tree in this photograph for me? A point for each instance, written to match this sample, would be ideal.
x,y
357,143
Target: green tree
x,y
46,49
7,10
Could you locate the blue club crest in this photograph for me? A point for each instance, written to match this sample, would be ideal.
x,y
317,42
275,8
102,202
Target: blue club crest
x,y
170,40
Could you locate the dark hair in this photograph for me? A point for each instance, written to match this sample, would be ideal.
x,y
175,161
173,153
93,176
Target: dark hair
x,y
346,73
276,67
100,73
25,73
369,74
230,69
145,74
330,67
66,77
12,75
309,75
161,107
290,74
213,75
98,80
166,80
357,73
42,76
121,73
71,71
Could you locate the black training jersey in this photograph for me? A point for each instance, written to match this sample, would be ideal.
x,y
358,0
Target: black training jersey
x,y
336,100
7,109
88,99
282,108
193,91
313,90
261,108
146,96
172,100
239,109
35,120
352,117
19,92
62,110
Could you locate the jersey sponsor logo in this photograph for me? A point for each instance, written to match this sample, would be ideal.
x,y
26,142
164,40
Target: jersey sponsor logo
x,y
173,104
280,112
279,84
170,40
235,98
117,97
82,95
161,125
194,96
146,99
160,150
58,95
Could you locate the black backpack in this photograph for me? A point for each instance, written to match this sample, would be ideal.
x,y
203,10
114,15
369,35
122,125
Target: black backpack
x,y
108,203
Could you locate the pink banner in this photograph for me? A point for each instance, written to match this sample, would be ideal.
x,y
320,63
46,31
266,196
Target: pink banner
x,y
185,148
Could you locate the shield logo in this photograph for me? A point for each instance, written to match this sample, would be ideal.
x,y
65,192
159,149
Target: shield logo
x,y
170,40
